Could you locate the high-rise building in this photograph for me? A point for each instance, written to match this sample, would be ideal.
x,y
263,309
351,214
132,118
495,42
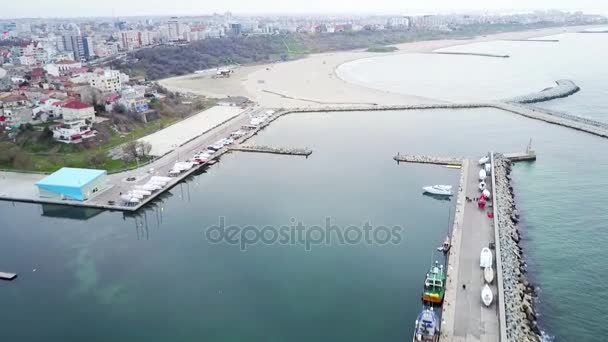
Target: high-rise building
x,y
75,43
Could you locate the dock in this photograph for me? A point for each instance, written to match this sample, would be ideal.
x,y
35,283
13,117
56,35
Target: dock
x,y
7,276
272,150
464,317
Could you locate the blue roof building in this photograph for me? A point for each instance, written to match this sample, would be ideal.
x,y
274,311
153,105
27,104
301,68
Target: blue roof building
x,y
71,183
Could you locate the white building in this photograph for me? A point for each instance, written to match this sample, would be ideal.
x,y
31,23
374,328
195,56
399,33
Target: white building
x,y
73,132
76,110
108,80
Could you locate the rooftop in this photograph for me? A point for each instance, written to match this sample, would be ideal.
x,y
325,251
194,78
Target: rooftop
x,y
71,177
75,104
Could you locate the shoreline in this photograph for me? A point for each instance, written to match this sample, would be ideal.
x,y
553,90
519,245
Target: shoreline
x,y
314,81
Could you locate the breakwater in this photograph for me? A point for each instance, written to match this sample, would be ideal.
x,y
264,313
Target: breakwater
x,y
520,315
533,40
273,150
563,88
471,54
408,158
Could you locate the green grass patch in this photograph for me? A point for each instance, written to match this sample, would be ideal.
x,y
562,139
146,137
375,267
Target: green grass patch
x,y
382,49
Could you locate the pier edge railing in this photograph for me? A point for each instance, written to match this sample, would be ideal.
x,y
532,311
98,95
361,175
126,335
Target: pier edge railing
x,y
502,317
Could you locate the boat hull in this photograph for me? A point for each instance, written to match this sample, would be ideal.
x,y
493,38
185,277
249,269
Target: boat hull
x,y
488,275
432,298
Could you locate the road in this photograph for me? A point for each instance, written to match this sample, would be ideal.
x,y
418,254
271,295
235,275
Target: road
x,y
472,320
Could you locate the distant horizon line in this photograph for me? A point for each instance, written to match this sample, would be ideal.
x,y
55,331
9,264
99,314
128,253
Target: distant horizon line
x,y
414,12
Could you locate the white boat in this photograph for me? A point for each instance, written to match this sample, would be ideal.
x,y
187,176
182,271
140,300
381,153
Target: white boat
x,y
427,327
488,275
482,186
487,194
484,160
488,168
444,190
486,295
142,192
482,175
485,258
160,178
138,196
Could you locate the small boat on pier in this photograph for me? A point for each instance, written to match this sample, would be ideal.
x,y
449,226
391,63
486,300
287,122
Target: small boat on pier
x,y
486,295
434,285
427,326
485,258
488,274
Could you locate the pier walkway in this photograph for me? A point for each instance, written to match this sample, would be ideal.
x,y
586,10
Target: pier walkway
x,y
465,318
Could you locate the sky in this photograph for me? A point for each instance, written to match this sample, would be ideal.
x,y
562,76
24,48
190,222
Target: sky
x,y
99,8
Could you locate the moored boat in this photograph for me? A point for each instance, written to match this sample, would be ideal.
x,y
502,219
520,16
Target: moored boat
x,y
427,326
445,247
444,190
434,284
485,258
488,274
482,186
486,295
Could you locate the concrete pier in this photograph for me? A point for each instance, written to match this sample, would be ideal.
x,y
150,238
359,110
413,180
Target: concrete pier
x,y
465,318
272,150
7,276
408,158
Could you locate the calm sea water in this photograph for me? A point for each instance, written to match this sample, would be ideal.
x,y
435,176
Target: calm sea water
x,y
561,196
532,66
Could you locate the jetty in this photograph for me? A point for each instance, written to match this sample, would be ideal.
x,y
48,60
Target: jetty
x,y
470,54
7,276
533,40
563,88
272,150
418,159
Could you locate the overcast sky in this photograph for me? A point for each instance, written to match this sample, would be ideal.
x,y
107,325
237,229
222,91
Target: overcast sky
x,y
81,8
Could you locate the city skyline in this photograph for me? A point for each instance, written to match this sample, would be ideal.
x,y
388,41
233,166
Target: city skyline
x,y
117,8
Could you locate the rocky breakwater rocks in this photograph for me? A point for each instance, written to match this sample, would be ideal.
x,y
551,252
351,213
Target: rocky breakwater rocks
x,y
563,88
521,325
408,158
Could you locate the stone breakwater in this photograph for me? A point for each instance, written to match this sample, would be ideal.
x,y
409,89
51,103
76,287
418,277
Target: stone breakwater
x,y
273,150
563,88
407,158
521,325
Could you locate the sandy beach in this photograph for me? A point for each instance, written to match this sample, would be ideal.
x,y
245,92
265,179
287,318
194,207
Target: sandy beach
x,y
313,82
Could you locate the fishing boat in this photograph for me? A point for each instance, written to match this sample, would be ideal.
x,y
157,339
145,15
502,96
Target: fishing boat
x,y
488,274
484,160
482,175
482,186
486,295
434,284
445,247
427,326
485,258
481,203
444,190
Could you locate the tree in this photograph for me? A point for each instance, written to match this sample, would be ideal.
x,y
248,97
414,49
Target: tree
x,y
129,150
145,148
